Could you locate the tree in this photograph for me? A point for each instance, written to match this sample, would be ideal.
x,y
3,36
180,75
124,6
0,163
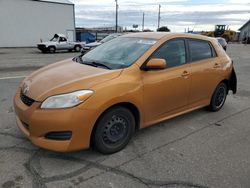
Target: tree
x,y
163,29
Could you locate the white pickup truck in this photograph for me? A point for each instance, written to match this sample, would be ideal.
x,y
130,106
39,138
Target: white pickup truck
x,y
59,42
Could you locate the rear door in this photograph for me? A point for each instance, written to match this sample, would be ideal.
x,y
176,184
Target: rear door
x,y
205,70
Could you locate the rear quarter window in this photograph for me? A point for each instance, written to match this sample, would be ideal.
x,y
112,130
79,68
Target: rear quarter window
x,y
200,50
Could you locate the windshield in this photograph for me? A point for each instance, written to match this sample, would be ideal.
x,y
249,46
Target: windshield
x,y
120,52
108,38
54,39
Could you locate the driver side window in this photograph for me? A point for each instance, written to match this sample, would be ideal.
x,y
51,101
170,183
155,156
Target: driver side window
x,y
173,52
62,39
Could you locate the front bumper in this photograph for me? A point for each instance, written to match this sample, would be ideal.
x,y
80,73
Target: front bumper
x,y
42,47
36,123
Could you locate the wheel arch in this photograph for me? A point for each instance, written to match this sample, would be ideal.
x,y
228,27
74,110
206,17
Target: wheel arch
x,y
231,82
53,46
130,106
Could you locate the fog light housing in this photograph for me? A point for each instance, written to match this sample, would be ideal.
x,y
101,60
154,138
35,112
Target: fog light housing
x,y
65,135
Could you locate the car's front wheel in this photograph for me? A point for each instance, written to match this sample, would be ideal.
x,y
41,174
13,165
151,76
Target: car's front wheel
x,y
219,97
52,49
113,131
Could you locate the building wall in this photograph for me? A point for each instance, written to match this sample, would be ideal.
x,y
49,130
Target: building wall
x,y
24,22
245,32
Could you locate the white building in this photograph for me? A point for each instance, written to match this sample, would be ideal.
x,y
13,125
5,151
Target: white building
x,y
245,31
24,23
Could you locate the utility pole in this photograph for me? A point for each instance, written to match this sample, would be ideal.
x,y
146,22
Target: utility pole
x,y
159,16
143,21
116,16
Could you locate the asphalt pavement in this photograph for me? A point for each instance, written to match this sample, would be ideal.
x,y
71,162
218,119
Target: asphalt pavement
x,y
198,149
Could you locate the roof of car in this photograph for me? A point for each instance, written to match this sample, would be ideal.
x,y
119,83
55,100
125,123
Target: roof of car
x,y
159,35
58,1
59,35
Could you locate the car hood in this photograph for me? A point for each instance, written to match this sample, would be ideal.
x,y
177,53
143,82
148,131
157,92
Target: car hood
x,y
93,44
64,77
47,43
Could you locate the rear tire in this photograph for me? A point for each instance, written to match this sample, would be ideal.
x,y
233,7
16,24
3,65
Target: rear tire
x,y
113,130
77,48
219,97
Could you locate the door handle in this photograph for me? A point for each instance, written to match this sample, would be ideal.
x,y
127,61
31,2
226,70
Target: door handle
x,y
185,74
216,65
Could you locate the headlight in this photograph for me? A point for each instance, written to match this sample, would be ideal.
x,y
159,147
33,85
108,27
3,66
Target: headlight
x,y
67,100
87,48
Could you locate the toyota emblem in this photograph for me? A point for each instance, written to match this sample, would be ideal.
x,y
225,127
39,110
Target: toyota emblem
x,y
25,88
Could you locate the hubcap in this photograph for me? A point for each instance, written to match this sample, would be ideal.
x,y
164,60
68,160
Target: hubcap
x,y
220,97
115,130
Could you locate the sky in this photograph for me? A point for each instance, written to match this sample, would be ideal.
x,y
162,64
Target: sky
x,y
178,15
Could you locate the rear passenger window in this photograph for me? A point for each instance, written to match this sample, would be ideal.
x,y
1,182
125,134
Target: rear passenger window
x,y
173,52
200,50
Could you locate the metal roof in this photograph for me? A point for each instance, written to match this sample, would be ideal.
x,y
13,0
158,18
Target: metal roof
x,y
58,1
248,22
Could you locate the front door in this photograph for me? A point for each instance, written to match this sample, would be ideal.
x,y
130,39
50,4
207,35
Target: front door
x,y
167,90
62,43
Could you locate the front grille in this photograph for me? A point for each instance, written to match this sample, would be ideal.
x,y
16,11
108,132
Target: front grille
x,y
26,100
41,46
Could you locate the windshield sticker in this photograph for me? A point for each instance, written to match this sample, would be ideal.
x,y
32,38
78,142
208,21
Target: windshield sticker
x,y
146,41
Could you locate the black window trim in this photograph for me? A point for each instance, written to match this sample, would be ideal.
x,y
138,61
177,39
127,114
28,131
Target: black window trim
x,y
143,66
62,39
213,51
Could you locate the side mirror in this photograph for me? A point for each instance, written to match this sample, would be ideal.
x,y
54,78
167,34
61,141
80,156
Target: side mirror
x,y
156,64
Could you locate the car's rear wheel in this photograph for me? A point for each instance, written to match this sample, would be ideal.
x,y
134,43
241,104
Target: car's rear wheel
x,y
77,48
113,130
52,49
219,97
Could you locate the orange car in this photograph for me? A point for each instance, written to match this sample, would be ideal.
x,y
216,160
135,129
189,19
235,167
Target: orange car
x,y
126,84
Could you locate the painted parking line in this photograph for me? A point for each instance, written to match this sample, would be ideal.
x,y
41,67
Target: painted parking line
x,y
11,77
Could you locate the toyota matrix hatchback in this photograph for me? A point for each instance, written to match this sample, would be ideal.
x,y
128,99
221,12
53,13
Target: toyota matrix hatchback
x,y
129,83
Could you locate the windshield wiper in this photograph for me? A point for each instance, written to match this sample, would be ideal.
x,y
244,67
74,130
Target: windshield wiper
x,y
96,64
100,64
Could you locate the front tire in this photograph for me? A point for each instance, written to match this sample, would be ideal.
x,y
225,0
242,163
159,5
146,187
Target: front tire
x,y
113,130
52,49
219,97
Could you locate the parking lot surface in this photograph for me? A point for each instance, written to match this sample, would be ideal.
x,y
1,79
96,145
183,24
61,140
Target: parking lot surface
x,y
198,149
